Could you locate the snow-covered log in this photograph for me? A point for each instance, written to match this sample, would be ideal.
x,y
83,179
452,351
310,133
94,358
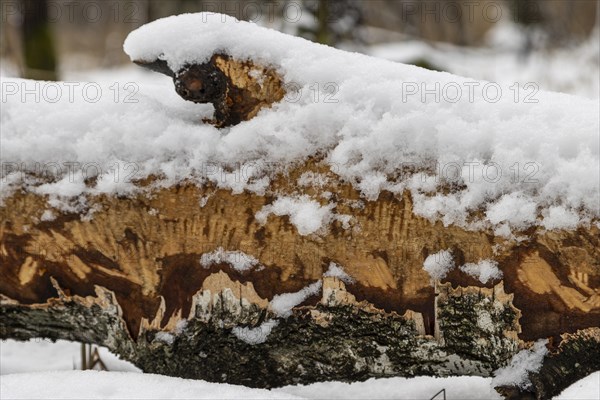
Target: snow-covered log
x,y
312,241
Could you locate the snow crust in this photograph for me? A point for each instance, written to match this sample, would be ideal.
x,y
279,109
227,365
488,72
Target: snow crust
x,y
239,260
313,179
282,304
165,337
484,270
521,364
169,337
439,264
337,271
306,214
519,164
255,335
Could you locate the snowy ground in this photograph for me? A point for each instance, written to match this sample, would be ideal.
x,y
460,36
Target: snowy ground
x,y
44,370
574,70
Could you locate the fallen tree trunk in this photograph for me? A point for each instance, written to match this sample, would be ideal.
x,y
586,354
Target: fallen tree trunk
x,y
154,278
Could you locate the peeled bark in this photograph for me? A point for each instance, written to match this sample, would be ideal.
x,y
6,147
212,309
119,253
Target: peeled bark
x,y
129,277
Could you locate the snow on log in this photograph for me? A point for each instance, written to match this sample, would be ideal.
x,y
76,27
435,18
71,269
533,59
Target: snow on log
x,y
304,241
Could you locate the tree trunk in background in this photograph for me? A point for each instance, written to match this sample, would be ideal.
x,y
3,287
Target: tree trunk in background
x,y
38,43
129,277
323,23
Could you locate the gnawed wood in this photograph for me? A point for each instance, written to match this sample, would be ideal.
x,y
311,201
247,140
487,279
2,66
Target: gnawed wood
x,y
130,278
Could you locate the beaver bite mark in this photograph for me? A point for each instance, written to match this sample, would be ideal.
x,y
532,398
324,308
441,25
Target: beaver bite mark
x,y
237,89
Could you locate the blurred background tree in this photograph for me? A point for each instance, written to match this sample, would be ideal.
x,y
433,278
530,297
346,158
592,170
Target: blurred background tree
x,y
333,22
554,23
39,58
